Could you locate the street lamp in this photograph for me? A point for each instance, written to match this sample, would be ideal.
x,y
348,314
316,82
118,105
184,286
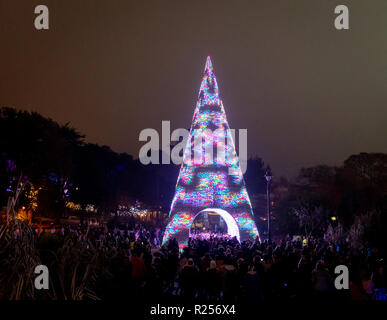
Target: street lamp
x,y
268,178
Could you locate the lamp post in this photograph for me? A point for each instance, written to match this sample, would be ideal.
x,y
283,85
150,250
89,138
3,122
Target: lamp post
x,y
268,178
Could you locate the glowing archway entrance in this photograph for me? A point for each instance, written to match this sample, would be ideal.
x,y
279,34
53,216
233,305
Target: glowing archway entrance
x,y
232,227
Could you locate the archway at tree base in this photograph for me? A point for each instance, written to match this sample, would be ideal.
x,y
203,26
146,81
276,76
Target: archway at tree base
x,y
180,224
232,227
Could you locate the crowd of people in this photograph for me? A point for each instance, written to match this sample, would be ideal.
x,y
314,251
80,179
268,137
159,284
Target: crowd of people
x,y
222,269
205,235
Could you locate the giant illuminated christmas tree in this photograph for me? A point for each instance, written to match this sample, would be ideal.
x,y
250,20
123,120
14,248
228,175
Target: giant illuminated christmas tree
x,y
210,177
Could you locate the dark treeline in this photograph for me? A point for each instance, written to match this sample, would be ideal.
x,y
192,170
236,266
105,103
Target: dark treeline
x,y
341,203
57,159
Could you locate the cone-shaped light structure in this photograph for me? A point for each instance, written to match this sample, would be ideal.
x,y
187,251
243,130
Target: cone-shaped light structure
x,y
210,177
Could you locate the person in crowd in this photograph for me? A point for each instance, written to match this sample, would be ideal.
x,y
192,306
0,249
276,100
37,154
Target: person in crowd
x,y
188,280
321,280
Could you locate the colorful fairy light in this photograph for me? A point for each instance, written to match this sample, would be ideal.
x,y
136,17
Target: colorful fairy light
x,y
210,177
179,222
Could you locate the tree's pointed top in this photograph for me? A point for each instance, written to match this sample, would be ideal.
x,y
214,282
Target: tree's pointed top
x,y
208,70
208,93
